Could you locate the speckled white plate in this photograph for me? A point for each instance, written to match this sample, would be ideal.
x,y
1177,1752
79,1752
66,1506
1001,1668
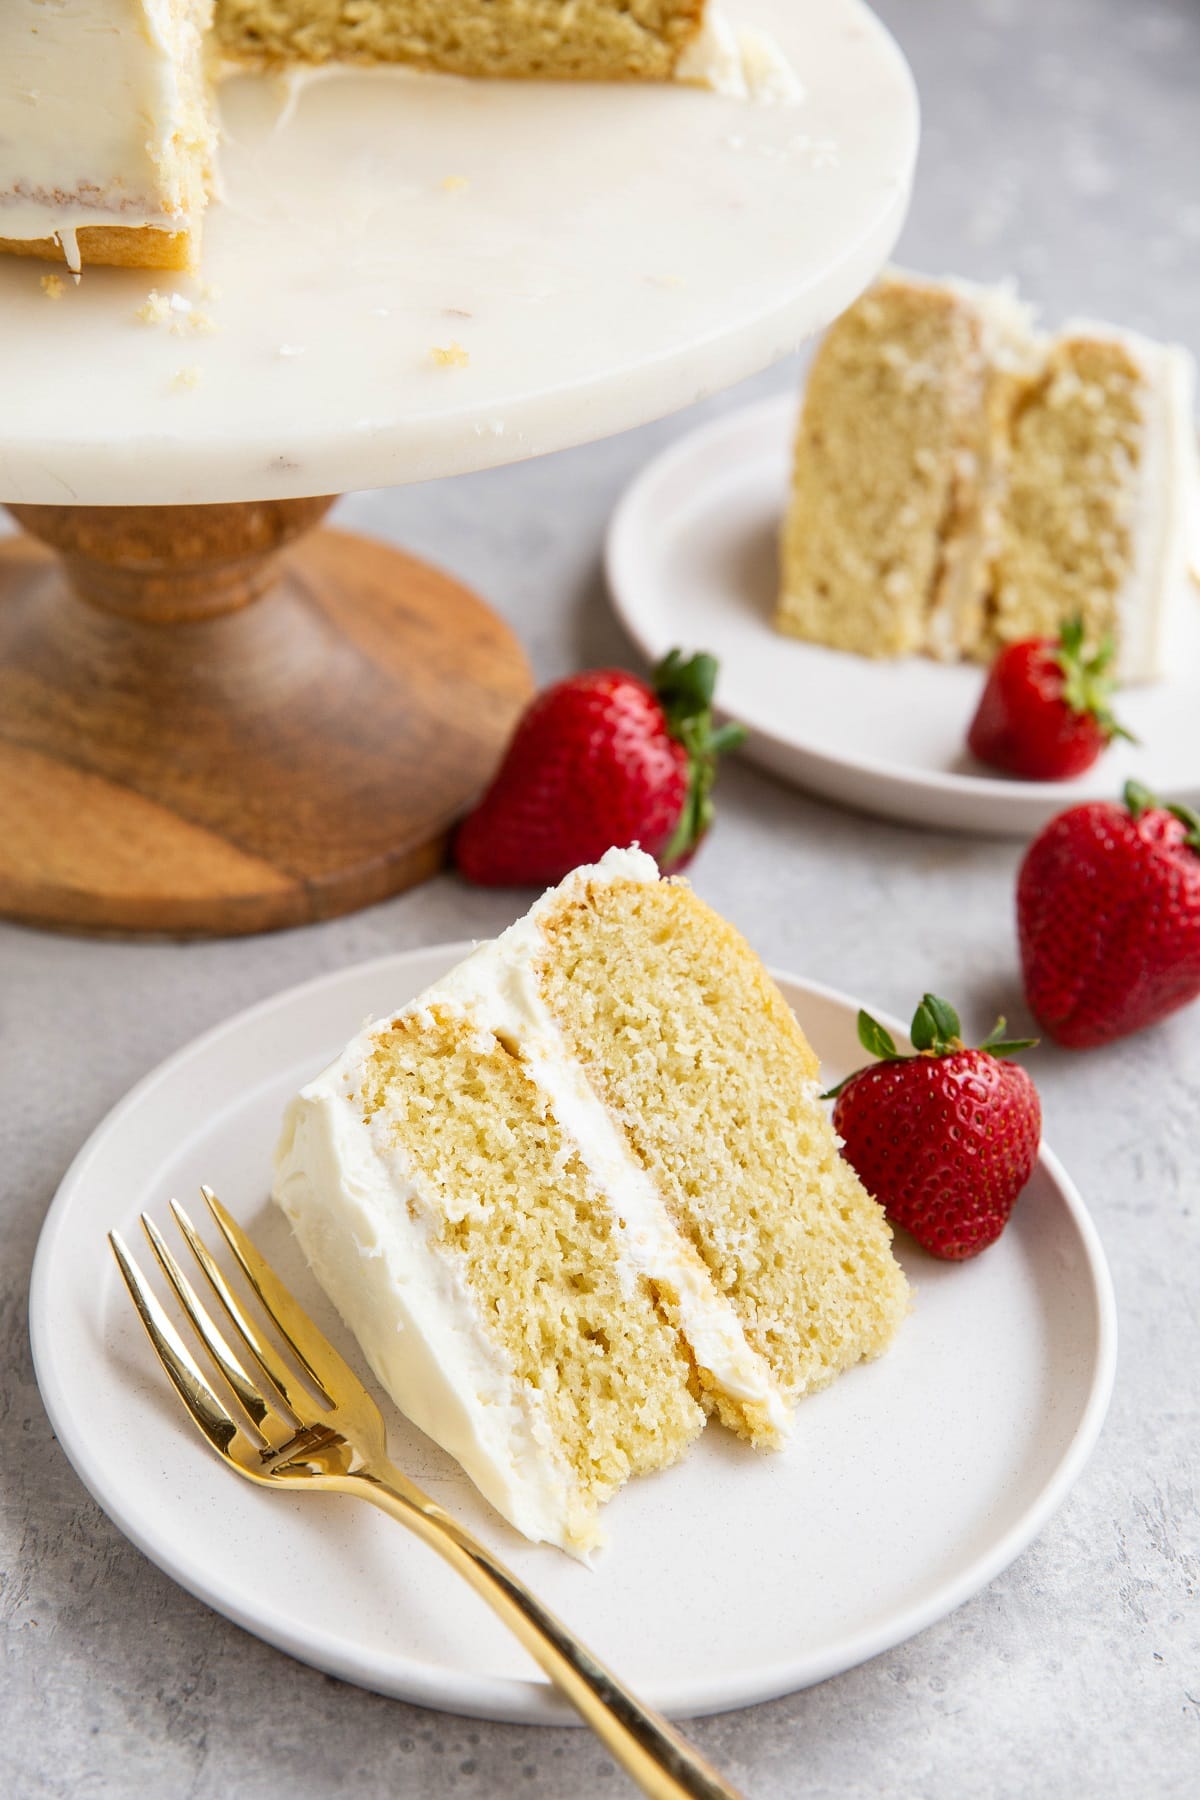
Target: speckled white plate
x,y
692,560
731,1578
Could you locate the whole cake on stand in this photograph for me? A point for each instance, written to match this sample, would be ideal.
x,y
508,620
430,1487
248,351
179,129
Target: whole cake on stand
x,y
113,152
397,283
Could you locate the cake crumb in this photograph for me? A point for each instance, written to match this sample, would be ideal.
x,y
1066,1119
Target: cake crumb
x,y
193,322
449,356
176,309
156,309
52,287
210,291
455,184
186,378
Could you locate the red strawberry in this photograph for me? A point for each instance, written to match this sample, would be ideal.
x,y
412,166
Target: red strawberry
x,y
945,1139
1044,712
598,760
1108,914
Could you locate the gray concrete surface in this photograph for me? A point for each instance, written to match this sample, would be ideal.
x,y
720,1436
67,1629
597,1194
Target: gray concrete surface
x,y
1061,143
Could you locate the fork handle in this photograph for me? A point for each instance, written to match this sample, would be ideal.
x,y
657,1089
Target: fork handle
x,y
648,1748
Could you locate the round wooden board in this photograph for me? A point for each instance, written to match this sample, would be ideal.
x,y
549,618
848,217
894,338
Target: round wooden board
x,y
283,762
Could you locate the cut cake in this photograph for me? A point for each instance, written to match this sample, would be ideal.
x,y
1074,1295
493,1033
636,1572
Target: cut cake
x,y
107,119
961,481
582,1193
107,133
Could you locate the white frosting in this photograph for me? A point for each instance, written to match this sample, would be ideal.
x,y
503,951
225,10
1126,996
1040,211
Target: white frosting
x,y
92,92
745,65
361,1221
769,77
347,1195
712,59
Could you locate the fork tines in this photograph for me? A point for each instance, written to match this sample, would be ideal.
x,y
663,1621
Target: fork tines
x,y
274,1398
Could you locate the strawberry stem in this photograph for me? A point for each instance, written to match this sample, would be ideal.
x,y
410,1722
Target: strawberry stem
x,y
1189,817
685,687
1087,684
936,1027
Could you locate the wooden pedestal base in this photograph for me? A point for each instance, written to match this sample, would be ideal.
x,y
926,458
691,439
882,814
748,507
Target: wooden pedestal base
x,y
203,732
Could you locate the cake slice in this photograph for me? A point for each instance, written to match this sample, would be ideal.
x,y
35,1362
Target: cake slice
x,y
897,469
582,1194
961,481
1100,495
107,135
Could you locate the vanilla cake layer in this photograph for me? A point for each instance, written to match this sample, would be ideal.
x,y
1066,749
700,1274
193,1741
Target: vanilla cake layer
x,y
578,1195
581,39
1101,497
106,133
893,434
699,1061
962,481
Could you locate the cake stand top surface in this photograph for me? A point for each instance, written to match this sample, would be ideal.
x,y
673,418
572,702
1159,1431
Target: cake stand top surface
x,y
412,276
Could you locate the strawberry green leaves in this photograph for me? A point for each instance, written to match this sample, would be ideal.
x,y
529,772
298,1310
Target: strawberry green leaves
x,y
1139,800
996,1044
685,687
1044,713
935,1031
1087,684
875,1039
935,1027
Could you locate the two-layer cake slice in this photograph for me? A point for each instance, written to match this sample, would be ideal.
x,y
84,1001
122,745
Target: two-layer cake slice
x,y
582,1193
962,481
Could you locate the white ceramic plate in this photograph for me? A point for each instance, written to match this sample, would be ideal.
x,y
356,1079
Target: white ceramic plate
x,y
692,561
731,1578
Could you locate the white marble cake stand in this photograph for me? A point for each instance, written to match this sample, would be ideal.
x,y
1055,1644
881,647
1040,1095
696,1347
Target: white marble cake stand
x,y
407,277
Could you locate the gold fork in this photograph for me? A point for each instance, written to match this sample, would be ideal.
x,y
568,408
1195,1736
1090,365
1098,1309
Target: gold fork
x,y
288,1439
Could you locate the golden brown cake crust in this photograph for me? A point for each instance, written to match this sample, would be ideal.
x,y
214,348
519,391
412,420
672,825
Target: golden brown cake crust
x,y
119,246
585,40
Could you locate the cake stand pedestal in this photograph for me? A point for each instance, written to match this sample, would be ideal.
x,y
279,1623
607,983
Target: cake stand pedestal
x,y
207,726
